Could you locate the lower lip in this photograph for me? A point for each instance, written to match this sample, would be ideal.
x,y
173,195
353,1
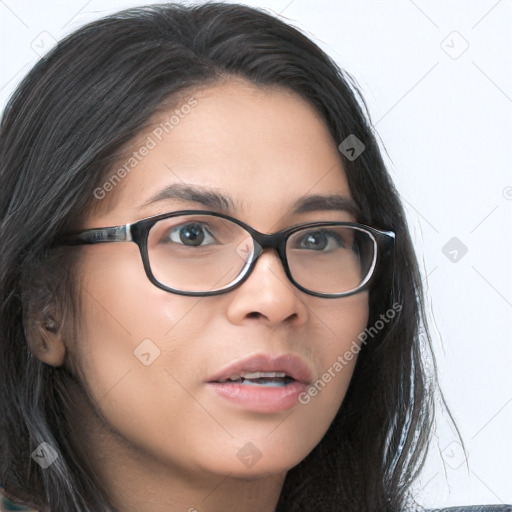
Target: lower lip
x,y
266,399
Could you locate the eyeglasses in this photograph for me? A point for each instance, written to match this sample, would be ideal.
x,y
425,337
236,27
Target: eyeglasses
x,y
201,253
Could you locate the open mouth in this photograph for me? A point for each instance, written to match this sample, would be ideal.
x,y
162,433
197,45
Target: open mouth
x,y
262,383
269,379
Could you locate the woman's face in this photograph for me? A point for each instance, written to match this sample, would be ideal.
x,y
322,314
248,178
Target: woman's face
x,y
149,357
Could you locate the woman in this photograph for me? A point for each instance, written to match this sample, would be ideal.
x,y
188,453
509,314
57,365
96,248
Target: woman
x,y
159,349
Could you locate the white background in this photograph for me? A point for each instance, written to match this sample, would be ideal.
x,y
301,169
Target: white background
x,y
445,118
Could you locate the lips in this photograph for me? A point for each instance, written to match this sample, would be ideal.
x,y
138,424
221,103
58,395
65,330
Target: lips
x,y
285,368
261,384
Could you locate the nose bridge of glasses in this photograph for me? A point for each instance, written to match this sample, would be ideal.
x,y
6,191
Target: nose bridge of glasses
x,y
263,241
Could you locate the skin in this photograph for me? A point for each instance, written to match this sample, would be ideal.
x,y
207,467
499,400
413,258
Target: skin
x,y
156,434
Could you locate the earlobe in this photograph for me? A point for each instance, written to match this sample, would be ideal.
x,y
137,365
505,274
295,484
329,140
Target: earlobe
x,y
47,343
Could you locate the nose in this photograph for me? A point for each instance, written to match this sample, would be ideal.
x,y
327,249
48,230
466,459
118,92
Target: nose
x,y
267,295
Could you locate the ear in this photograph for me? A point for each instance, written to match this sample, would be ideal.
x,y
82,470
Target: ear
x,y
46,341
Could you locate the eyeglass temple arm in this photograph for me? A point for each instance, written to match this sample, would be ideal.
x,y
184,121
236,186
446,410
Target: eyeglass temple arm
x,y
100,235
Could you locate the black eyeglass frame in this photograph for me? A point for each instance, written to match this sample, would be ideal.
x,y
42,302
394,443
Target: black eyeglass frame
x,y
138,232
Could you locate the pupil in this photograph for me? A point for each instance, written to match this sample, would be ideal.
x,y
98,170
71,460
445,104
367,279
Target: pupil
x,y
192,234
316,240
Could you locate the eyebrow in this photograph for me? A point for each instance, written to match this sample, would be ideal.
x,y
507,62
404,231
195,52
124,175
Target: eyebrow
x,y
225,203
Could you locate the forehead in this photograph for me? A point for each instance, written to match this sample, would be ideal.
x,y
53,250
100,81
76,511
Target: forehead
x,y
262,147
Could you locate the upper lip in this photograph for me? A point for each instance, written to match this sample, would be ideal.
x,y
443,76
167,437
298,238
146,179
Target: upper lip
x,y
290,364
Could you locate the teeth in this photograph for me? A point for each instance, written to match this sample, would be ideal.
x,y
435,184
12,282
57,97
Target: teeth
x,y
265,383
256,375
259,375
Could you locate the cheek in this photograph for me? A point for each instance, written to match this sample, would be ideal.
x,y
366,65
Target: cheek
x,y
120,304
125,320
124,354
344,321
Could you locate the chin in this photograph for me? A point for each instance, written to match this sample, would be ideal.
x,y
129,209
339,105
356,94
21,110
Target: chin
x,y
255,460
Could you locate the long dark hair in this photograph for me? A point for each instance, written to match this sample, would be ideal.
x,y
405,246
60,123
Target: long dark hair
x,y
61,133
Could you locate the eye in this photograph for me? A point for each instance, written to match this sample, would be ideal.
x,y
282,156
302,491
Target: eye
x,y
192,234
321,240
